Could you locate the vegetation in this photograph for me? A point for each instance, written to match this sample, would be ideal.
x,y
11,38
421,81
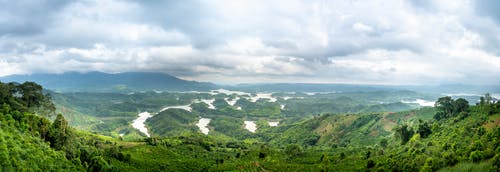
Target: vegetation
x,y
112,113
452,136
29,142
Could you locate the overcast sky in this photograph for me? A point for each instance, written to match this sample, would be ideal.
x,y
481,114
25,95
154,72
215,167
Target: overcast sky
x,y
343,41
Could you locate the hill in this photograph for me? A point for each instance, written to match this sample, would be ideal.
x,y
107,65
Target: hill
x,y
104,82
309,87
452,136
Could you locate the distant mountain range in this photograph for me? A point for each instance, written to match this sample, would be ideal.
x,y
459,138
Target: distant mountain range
x,y
149,81
104,82
309,87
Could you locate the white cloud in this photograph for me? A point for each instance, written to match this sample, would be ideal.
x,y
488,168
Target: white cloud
x,y
360,27
390,42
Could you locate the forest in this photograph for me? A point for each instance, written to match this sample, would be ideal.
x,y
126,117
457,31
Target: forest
x,y
451,136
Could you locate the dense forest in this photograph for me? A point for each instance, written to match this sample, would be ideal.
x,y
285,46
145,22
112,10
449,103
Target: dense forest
x,y
451,136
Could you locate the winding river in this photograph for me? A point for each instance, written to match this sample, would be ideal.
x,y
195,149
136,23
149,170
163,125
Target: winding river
x,y
203,125
139,122
250,126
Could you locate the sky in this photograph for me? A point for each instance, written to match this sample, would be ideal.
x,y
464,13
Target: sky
x,y
397,42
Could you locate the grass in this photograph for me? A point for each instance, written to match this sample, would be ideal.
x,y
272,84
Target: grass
x,y
469,167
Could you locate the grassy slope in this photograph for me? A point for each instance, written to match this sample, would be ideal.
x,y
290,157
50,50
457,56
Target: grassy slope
x,y
449,146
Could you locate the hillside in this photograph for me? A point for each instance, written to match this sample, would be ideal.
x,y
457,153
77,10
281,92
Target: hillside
x,y
466,139
104,82
452,136
113,113
30,142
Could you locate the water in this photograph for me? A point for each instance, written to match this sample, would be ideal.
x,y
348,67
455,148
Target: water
x,y
139,122
143,116
203,125
421,102
250,126
229,92
273,124
232,102
209,102
263,96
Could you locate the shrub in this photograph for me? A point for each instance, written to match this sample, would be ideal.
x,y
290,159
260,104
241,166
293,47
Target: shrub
x,y
476,156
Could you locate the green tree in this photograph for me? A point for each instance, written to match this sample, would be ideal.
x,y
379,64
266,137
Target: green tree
x,y
445,105
264,151
97,163
424,129
404,132
293,150
59,133
482,102
461,105
487,98
383,142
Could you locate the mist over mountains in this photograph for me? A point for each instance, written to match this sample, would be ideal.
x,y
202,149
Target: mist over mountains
x,y
104,82
155,81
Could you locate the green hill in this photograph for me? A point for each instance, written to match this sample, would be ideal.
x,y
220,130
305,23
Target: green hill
x,y
452,136
104,82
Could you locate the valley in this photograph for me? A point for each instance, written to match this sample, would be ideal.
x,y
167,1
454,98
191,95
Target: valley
x,y
349,128
250,110
250,86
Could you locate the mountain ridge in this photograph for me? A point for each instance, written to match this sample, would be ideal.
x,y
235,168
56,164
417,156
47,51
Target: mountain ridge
x,y
102,82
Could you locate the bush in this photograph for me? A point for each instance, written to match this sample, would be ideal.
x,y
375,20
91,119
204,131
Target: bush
x,y
450,158
293,150
476,156
98,164
496,161
370,164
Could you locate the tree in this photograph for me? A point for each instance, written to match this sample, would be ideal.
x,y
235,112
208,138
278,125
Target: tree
x,y
59,133
370,164
293,150
97,163
487,98
445,105
404,132
482,101
461,105
383,142
424,129
28,96
31,94
264,150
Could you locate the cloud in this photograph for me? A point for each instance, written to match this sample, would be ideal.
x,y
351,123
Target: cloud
x,y
388,42
488,8
27,17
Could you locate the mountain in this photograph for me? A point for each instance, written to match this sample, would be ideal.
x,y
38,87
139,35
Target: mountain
x,y
101,82
308,87
455,89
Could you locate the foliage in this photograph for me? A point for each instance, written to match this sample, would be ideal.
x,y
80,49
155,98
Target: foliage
x,y
447,107
461,138
29,142
404,133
